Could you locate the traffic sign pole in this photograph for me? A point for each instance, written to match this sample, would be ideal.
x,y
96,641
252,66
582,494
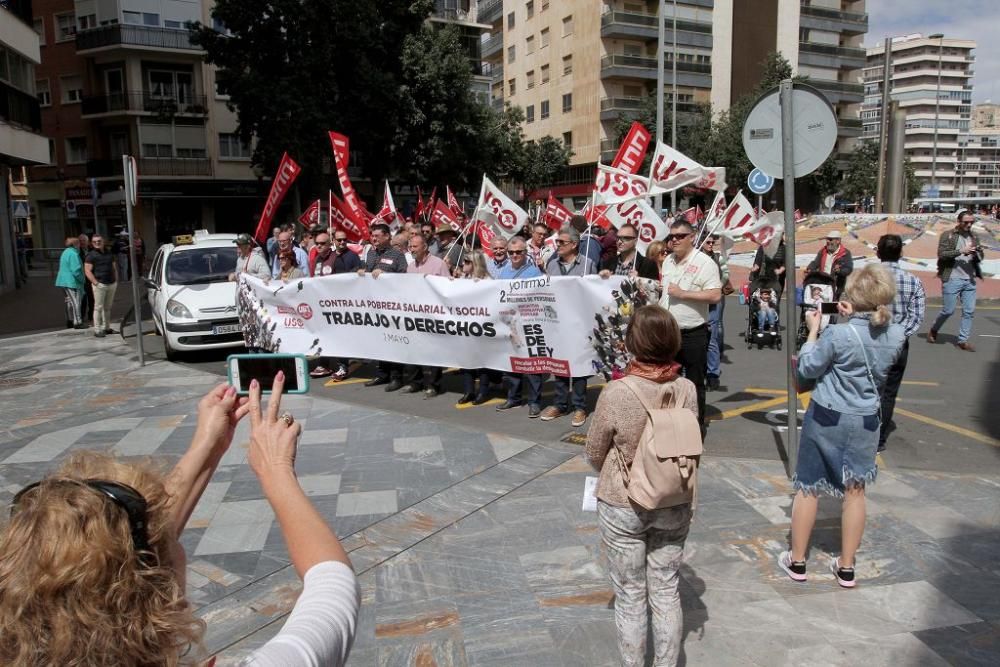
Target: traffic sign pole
x,y
131,188
788,183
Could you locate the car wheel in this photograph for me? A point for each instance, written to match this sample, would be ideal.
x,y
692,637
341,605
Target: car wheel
x,y
171,353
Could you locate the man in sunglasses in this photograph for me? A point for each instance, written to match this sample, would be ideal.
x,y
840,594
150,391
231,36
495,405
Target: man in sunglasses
x,y
691,283
101,272
330,261
520,267
628,261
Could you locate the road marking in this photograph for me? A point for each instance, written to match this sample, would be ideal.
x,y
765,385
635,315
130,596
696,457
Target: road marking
x,y
989,336
492,401
921,383
879,461
335,383
759,390
753,407
975,435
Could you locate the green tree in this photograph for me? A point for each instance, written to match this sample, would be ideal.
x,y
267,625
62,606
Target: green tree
x,y
862,172
541,162
825,180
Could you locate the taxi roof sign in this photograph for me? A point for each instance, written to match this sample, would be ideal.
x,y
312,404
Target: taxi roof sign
x,y
184,239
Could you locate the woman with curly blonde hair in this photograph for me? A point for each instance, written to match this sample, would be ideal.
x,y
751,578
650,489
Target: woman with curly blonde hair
x,y
840,430
92,573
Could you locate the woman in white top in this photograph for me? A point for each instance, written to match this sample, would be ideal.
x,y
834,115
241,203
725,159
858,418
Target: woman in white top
x,y
91,568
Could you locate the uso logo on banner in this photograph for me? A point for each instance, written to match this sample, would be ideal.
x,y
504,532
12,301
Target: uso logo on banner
x,y
647,232
505,217
612,184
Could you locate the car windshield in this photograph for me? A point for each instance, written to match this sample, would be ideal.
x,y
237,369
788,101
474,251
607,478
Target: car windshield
x,y
196,266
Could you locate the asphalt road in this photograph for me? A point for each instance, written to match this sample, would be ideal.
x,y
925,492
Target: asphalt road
x,y
948,412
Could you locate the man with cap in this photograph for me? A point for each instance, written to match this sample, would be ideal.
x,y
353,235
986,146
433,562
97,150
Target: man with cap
x,y
446,250
249,260
834,260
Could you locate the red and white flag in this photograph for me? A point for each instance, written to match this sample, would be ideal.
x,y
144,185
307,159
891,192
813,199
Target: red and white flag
x,y
556,215
443,214
510,217
486,234
453,203
388,214
311,215
769,232
690,216
419,210
614,186
715,212
633,149
341,157
340,218
671,170
798,216
287,172
640,214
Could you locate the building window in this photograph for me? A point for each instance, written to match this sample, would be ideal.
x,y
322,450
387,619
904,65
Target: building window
x,y
512,86
87,21
545,74
531,79
192,153
568,139
545,38
132,18
39,26
529,114
530,8
545,110
568,25
52,151
72,89
173,25
511,53
545,5
65,27
42,92
510,21
231,148
567,102
76,150
141,18
529,44
157,150
567,65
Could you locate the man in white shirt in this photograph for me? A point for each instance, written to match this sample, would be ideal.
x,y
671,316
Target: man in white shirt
x,y
691,283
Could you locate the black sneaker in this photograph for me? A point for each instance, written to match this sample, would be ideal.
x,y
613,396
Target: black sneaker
x,y
508,405
374,382
844,575
795,571
99,334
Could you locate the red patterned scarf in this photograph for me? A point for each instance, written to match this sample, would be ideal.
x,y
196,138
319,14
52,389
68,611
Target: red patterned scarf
x,y
658,373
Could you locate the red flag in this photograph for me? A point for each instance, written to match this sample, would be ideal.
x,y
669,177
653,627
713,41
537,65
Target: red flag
x,y
288,171
443,214
420,205
798,215
690,215
431,203
699,214
341,155
595,215
633,149
556,215
311,215
388,214
340,218
452,202
486,234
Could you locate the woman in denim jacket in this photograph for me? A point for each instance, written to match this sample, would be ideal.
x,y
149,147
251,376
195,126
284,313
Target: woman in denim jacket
x,y
841,427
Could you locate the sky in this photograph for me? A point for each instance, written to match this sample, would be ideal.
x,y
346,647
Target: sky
x,y
960,19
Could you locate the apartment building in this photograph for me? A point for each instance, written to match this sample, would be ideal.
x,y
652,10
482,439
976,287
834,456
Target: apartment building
x,y
122,77
931,78
986,117
464,16
576,66
21,141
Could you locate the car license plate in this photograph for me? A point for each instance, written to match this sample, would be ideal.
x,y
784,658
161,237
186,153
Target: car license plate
x,y
226,329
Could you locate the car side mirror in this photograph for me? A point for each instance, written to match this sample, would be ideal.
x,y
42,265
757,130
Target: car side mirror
x,y
150,284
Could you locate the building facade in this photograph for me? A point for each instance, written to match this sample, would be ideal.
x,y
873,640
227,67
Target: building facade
x,y
21,141
931,78
121,77
577,66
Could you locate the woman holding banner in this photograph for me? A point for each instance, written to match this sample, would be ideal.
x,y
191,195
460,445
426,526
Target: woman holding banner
x,y
473,267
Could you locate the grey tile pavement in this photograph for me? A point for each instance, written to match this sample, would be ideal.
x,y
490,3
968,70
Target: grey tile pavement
x,y
472,547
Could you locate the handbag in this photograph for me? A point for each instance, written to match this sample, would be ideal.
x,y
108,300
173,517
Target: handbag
x,y
802,384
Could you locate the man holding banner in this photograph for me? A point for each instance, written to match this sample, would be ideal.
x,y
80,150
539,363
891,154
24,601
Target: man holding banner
x,y
690,283
383,258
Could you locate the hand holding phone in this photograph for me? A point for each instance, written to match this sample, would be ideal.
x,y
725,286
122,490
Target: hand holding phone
x,y
243,368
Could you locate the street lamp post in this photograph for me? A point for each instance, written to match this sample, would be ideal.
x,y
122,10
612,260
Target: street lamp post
x,y
937,112
673,108
659,94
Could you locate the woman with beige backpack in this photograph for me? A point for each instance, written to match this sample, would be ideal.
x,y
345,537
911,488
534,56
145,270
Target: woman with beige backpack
x,y
645,440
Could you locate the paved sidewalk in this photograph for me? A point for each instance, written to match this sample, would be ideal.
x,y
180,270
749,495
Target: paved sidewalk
x,y
472,547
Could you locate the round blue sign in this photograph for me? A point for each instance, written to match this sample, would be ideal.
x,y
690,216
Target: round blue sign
x,y
759,182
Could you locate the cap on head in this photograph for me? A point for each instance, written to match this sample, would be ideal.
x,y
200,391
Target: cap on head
x,y
243,239
834,235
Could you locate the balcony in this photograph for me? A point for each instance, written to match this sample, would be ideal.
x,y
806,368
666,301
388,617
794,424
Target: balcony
x,y
833,20
831,55
152,166
490,10
688,74
612,107
495,73
492,46
21,9
629,24
20,109
97,105
139,36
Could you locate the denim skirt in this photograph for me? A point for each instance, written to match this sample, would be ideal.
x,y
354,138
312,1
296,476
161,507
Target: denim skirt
x,y
836,450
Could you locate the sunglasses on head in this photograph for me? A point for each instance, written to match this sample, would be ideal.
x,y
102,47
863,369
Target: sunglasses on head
x,y
122,495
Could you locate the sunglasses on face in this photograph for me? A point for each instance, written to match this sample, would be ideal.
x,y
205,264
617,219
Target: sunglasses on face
x,y
515,252
341,240
322,243
122,495
677,237
560,242
626,239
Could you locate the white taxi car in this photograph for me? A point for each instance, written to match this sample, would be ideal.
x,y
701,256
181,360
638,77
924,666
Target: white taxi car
x,y
192,299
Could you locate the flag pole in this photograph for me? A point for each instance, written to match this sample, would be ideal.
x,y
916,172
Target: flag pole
x,y
590,223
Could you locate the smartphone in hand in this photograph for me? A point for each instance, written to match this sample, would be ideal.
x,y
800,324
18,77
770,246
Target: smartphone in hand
x,y
263,367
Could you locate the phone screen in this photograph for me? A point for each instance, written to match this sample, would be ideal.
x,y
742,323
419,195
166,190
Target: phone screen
x,y
828,308
263,368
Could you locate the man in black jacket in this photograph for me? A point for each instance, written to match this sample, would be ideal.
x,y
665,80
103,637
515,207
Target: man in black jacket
x,y
960,252
628,260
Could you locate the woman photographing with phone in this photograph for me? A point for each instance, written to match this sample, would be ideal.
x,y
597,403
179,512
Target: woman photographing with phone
x,y
840,431
92,572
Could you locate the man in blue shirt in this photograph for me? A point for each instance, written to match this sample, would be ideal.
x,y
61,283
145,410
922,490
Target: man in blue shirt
x,y
301,256
590,245
521,268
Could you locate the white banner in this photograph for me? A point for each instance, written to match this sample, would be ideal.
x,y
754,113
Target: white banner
x,y
510,217
560,325
671,169
615,186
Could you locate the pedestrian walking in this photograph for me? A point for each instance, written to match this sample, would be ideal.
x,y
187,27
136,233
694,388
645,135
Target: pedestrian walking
x,y
716,313
960,253
71,279
645,547
691,282
840,430
908,312
87,305
101,271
